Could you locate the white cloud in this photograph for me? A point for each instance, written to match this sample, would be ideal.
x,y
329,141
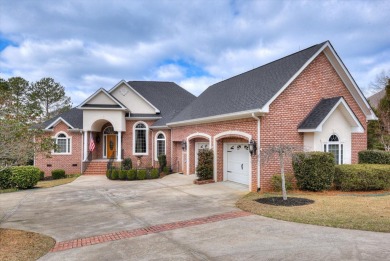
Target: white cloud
x,y
197,85
170,72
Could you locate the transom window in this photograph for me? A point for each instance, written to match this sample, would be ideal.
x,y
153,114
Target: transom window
x,y
63,144
140,138
160,145
336,147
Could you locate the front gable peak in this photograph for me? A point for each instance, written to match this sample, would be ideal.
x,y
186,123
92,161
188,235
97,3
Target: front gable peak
x,y
101,99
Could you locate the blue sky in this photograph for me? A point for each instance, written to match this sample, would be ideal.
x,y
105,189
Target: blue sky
x,y
86,45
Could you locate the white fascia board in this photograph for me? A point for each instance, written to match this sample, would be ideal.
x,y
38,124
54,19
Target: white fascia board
x,y
96,93
131,88
104,109
142,118
54,123
222,117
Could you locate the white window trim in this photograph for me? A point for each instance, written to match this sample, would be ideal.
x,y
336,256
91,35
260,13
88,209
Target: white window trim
x,y
70,144
147,139
327,143
155,143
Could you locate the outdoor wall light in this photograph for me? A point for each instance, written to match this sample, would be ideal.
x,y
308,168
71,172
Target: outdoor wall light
x,y
252,147
184,145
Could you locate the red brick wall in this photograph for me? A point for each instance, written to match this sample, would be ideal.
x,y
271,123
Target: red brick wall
x,y
62,161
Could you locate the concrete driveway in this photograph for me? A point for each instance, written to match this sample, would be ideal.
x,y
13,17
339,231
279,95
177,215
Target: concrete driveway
x,y
172,219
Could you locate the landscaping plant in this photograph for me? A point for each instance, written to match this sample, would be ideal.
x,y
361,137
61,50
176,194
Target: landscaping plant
x,y
132,174
154,174
276,182
5,179
25,177
58,174
122,174
204,169
141,174
374,157
162,161
127,164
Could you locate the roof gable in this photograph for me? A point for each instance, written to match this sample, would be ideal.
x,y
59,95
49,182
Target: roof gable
x,y
72,118
101,99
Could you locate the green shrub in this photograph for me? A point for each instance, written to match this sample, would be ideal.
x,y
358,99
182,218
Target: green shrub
x,y
5,179
276,182
25,177
58,174
41,175
362,177
166,170
127,164
141,174
162,161
132,174
115,174
154,174
374,157
314,170
122,174
205,164
108,173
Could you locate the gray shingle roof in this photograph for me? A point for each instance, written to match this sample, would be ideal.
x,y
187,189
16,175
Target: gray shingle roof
x,y
247,91
74,117
318,114
168,97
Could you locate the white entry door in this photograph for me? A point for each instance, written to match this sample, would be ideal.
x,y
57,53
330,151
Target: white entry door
x,y
237,162
200,146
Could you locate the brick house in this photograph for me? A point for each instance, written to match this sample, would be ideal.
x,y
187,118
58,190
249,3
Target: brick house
x,y
307,98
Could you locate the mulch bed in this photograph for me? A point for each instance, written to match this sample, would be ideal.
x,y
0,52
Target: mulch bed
x,y
290,202
204,181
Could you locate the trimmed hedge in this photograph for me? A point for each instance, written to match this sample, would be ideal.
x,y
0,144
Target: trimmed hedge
x,y
58,174
5,179
374,157
141,174
204,170
41,175
166,170
154,174
123,174
314,170
276,182
132,174
115,174
24,177
362,177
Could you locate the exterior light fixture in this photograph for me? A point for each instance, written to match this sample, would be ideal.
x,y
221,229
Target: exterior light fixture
x,y
252,147
184,145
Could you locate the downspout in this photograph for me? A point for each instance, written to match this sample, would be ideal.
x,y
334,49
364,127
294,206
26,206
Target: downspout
x,y
258,151
152,149
82,151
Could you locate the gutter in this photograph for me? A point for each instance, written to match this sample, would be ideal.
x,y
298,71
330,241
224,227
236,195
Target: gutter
x,y
258,151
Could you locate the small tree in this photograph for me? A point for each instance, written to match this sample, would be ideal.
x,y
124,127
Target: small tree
x,y
162,161
204,169
283,151
384,118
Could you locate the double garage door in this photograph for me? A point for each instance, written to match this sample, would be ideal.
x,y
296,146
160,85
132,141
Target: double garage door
x,y
237,162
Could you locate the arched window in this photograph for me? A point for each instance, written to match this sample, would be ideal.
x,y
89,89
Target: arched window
x,y
160,144
140,138
336,147
62,144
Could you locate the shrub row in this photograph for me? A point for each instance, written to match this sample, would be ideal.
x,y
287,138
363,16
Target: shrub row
x,y
374,157
21,177
362,177
132,174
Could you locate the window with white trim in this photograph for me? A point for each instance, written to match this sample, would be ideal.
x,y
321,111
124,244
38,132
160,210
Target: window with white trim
x,y
160,145
140,138
336,147
63,144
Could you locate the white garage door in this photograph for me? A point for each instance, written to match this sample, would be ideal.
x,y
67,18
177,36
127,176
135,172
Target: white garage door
x,y
237,162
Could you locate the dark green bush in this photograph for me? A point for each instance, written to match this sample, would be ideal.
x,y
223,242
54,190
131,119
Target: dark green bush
x,y
5,179
276,182
314,170
154,174
205,164
132,174
58,174
362,177
162,161
122,174
41,175
127,164
141,174
374,157
166,170
108,173
24,177
115,174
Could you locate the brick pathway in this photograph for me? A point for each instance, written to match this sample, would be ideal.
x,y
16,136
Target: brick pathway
x,y
93,240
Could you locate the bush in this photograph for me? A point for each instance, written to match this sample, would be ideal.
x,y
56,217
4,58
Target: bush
x,y
314,170
5,179
108,173
122,174
127,164
276,182
58,174
154,174
24,177
374,157
166,170
162,161
141,174
362,177
41,175
115,174
205,164
132,174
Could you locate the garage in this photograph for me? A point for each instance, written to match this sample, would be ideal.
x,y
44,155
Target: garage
x,y
237,162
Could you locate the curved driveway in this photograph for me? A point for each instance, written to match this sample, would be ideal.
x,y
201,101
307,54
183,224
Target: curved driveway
x,y
172,219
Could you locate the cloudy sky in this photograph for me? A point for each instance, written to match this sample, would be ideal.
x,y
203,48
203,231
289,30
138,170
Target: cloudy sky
x,y
85,45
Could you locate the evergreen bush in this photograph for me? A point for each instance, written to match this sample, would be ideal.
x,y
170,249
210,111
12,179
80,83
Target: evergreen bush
x,y
374,157
127,164
162,161
204,169
58,174
154,174
25,177
132,174
5,179
276,182
122,174
141,174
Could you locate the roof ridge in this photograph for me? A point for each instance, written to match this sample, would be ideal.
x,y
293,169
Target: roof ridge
x,y
153,81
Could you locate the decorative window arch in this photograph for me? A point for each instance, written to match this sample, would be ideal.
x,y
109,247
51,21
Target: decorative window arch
x,y
334,146
140,138
63,143
160,144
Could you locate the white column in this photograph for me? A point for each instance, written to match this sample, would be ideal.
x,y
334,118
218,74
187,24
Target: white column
x,y
85,145
119,146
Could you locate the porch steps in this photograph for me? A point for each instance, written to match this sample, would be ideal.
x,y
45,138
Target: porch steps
x,y
96,168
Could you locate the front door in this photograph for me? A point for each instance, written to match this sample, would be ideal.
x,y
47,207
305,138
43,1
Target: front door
x,y
111,145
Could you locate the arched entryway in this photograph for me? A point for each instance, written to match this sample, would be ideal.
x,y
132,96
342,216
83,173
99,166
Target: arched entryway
x,y
110,143
196,142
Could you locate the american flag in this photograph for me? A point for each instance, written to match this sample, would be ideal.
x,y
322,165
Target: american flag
x,y
91,143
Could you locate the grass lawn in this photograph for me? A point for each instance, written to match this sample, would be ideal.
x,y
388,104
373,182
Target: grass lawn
x,y
23,245
362,211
